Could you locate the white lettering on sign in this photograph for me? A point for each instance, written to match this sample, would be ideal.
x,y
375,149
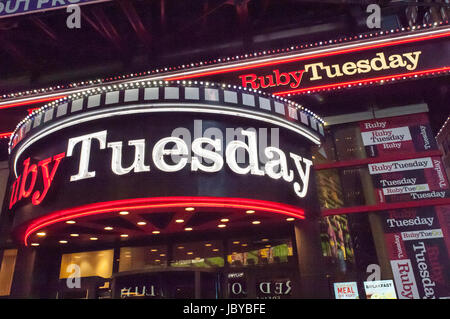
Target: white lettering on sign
x,y
406,60
277,167
392,222
398,166
424,272
399,134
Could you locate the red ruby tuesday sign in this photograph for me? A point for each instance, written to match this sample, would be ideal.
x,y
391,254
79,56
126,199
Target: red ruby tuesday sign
x,y
335,69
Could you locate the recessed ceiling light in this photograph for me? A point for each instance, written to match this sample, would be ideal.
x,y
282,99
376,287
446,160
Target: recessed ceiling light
x,y
244,245
141,223
93,238
190,253
124,235
63,241
70,222
188,229
189,209
180,247
221,225
215,249
155,232
108,228
179,221
124,213
208,245
290,219
250,211
264,239
256,222
34,244
41,234
74,235
224,220
236,242
154,250
162,255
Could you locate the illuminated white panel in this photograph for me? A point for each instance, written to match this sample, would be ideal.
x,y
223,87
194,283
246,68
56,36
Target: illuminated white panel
x,y
131,95
112,97
77,105
230,96
191,93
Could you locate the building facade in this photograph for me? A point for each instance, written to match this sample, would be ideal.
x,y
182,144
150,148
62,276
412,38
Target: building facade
x,y
216,180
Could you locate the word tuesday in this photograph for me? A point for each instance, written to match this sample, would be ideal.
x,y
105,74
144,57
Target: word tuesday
x,y
276,167
169,154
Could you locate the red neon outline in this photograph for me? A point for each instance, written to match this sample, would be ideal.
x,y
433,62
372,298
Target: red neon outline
x,y
296,91
47,99
5,135
160,202
385,206
307,57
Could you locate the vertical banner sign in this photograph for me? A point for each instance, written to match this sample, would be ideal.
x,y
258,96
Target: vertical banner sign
x,y
397,135
346,290
412,179
418,251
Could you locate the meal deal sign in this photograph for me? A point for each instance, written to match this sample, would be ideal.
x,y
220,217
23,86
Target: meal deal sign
x,y
413,179
396,135
346,290
417,245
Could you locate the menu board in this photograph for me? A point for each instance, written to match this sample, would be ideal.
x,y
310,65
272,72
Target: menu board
x,y
412,179
397,135
418,249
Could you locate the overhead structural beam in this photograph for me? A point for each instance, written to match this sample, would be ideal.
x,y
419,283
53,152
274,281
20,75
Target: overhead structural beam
x,y
135,21
103,26
45,28
17,54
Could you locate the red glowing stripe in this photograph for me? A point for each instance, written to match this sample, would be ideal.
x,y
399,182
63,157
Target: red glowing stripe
x,y
307,57
161,202
5,135
32,101
328,86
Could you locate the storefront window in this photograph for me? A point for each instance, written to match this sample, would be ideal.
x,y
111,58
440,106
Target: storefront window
x,y
357,186
92,263
349,144
329,189
336,241
141,258
7,271
206,254
263,251
325,153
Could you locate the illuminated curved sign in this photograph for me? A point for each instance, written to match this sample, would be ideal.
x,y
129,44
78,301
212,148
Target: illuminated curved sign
x,y
162,142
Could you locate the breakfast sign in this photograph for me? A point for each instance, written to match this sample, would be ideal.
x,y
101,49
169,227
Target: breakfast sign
x,y
322,69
